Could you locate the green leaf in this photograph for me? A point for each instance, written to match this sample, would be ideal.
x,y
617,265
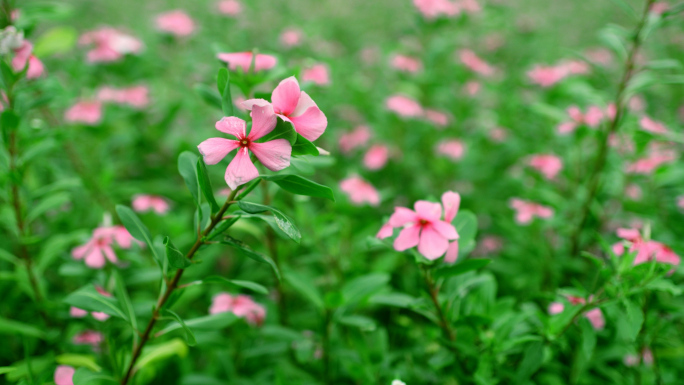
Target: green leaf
x,y
209,322
84,376
303,146
57,40
461,268
283,130
87,298
209,96
362,322
137,229
15,327
205,184
466,225
253,286
626,8
301,186
190,336
78,360
122,296
305,287
246,251
223,83
154,353
531,362
282,220
8,79
588,338
635,318
50,203
9,257
187,167
393,299
175,258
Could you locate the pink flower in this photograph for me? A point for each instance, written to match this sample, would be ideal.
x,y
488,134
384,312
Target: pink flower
x,y
133,96
472,87
438,118
646,251
175,22
89,337
80,313
86,112
317,74
230,7
548,165
526,211
595,315
243,60
650,125
425,228
660,7
23,57
432,9
274,155
633,192
556,308
376,157
64,375
474,63
241,305
471,6
680,202
142,203
356,138
546,76
406,63
295,106
451,148
404,106
488,245
291,38
110,44
574,67
592,118
657,156
360,191
100,246
646,357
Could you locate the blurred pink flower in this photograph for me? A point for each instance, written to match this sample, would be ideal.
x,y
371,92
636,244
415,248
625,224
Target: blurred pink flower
x,y
291,38
110,44
80,313
656,157
142,203
498,134
356,138
646,251
274,155
360,191
633,192
637,103
650,125
241,305
89,337
680,202
646,357
175,22
425,228
451,148
23,56
472,87
243,60
432,9
295,106
474,63
376,157
574,67
546,76
526,211
136,96
592,118
471,6
548,165
660,7
595,315
64,375
86,112
438,118
489,244
100,246
406,63
317,74
600,56
230,7
404,106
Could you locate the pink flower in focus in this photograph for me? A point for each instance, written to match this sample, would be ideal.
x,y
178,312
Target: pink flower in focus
x,y
89,337
142,203
451,148
406,63
404,106
548,165
100,246
243,60
291,38
425,228
474,63
432,9
318,74
110,44
274,155
650,125
230,7
241,305
360,191
356,138
295,106
136,96
526,211
23,57
64,375
86,112
376,157
438,118
175,22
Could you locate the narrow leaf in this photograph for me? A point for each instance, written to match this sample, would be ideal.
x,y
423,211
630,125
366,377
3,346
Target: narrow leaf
x,y
246,251
187,167
301,186
282,220
188,333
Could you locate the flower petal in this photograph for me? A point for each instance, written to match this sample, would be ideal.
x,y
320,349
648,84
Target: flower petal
x,y
286,96
402,216
452,253
386,231
450,200
215,149
447,230
233,126
95,259
263,121
432,244
311,124
428,210
240,170
249,104
275,155
407,238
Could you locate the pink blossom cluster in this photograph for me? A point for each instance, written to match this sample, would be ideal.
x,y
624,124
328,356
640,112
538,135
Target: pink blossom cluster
x,y
24,59
546,76
360,191
526,211
109,44
475,63
547,165
143,203
241,305
100,244
592,118
407,107
406,63
595,316
88,112
136,96
658,155
646,250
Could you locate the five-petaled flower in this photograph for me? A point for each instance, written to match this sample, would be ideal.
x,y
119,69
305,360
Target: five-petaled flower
x,y
100,246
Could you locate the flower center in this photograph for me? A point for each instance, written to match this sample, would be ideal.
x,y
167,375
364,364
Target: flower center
x,y
244,142
423,222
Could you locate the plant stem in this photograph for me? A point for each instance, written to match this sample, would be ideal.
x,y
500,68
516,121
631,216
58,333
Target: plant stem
x,y
614,124
173,284
434,291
